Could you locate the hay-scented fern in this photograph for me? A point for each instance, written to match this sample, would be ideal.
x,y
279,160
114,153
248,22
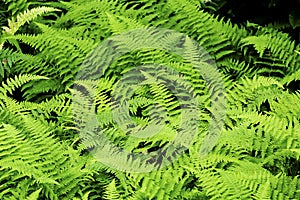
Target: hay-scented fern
x,y
42,156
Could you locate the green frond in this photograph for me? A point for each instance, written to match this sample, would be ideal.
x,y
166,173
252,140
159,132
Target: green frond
x,y
147,99
120,24
34,195
111,192
260,43
14,24
7,60
27,16
13,83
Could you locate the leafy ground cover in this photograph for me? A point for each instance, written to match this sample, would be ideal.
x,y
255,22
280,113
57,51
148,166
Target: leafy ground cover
x,y
49,71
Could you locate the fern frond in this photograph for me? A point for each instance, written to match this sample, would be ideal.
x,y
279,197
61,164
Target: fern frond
x,y
27,16
111,192
34,195
260,43
120,24
13,83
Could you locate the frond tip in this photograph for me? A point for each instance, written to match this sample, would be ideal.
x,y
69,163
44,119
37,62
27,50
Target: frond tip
x,y
26,16
13,83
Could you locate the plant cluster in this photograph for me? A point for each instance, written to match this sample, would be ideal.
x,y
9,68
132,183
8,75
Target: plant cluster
x,y
42,48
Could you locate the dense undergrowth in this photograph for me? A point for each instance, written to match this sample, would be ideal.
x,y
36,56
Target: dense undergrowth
x,y
42,47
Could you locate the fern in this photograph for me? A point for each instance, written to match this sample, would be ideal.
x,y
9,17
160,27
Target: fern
x,y
111,191
8,59
148,114
36,157
16,7
21,19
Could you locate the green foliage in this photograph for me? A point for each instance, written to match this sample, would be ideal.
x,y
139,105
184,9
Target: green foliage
x,y
42,155
7,59
21,19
